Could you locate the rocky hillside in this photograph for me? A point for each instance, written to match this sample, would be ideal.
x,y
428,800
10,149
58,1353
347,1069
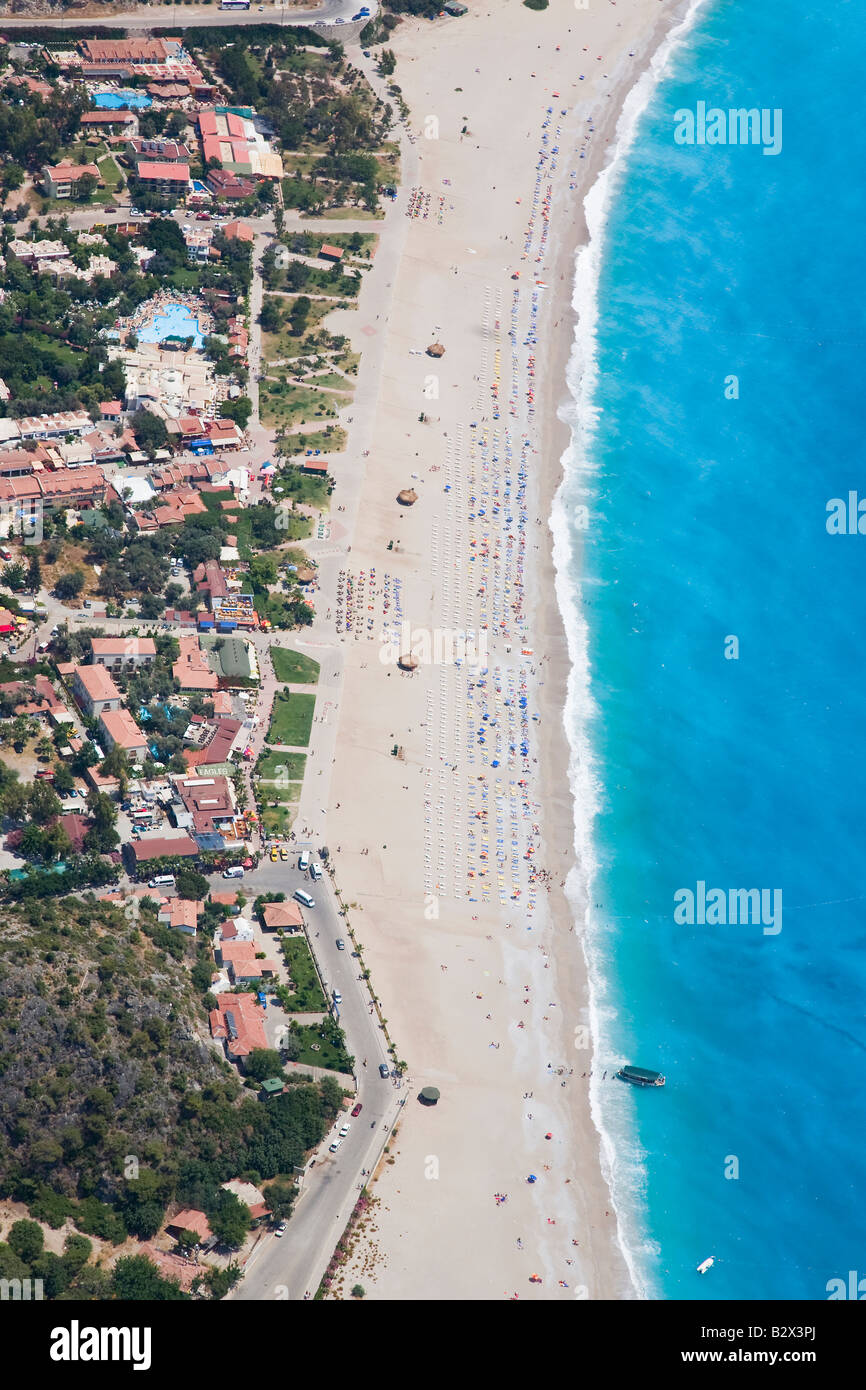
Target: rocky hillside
x,y
113,1101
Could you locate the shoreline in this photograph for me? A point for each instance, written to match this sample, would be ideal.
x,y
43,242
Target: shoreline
x,y
405,971
669,33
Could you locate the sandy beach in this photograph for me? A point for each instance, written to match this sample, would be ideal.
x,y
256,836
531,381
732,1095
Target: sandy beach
x,y
450,812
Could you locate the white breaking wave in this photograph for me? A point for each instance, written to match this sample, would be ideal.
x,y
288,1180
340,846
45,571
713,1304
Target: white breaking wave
x,y
621,1156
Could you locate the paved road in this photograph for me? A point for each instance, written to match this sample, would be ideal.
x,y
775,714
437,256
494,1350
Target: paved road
x,y
161,17
290,1267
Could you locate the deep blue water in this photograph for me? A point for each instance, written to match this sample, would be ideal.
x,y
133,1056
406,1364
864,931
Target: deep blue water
x,y
709,521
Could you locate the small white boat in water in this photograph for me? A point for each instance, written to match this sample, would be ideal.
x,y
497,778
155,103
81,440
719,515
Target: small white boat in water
x,y
706,1264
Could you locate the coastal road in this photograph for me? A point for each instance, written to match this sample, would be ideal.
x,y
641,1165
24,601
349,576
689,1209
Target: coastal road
x,y
147,17
292,1266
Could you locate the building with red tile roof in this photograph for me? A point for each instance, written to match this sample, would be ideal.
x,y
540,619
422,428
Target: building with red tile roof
x,y
181,913
163,847
60,179
282,916
191,668
158,176
190,1220
36,697
223,184
239,957
238,231
123,653
238,1021
120,729
210,801
95,691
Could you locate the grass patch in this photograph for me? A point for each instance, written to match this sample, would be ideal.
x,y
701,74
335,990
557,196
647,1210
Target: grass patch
x,y
283,403
332,381
292,719
329,1055
306,996
331,440
301,487
283,765
294,667
287,794
278,820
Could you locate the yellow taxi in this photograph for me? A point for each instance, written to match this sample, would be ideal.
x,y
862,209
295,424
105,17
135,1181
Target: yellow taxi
x,y
275,854
284,851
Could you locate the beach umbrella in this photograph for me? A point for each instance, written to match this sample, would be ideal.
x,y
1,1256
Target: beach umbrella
x,y
305,575
407,662
428,1095
435,350
407,497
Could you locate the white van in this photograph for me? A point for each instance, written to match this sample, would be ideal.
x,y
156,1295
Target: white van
x,y
304,898
162,881
236,871
315,872
304,861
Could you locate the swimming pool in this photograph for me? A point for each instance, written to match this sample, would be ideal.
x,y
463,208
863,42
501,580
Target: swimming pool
x,y
121,101
175,321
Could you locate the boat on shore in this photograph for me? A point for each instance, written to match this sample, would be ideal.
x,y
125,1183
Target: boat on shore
x,y
639,1076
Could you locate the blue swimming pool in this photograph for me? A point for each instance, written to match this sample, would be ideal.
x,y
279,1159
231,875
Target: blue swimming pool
x,y
175,321
121,101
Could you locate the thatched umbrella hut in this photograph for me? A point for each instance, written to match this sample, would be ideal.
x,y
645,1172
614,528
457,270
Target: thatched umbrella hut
x,y
435,350
407,662
305,575
428,1095
408,497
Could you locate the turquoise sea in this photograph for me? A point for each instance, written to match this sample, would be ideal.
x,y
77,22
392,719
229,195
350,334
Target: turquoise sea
x,y
718,705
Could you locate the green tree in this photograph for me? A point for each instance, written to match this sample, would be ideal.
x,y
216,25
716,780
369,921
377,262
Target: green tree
x,y
281,1196
26,1239
69,585
151,606
15,576
43,802
85,187
191,885
136,1279
34,571
149,430
229,1219
101,835
262,1063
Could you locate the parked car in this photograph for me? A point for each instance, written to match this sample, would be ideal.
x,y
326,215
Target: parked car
x,y
356,1110
282,1228
284,851
338,998
344,1131
384,1071
341,945
275,853
334,1147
